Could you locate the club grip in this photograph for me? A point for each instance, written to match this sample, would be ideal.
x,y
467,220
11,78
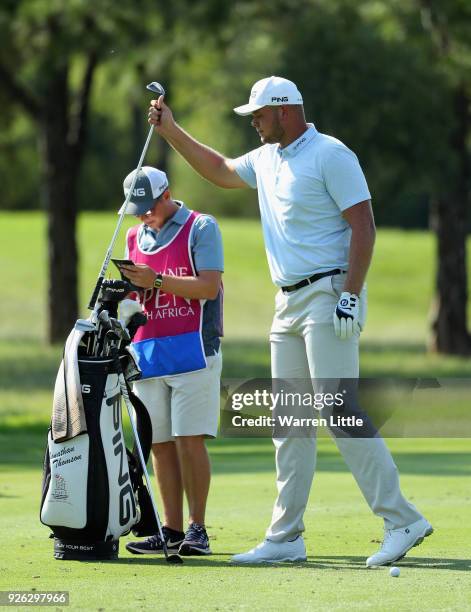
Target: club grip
x,y
96,291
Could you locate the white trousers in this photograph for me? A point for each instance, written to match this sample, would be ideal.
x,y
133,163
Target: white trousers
x,y
304,346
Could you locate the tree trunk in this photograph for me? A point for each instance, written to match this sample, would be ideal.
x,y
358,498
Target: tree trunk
x,y
450,219
59,176
449,325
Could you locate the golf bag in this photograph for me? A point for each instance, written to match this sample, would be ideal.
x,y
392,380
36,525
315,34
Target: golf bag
x,y
93,490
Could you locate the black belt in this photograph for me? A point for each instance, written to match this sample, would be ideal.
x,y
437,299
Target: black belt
x,y
310,280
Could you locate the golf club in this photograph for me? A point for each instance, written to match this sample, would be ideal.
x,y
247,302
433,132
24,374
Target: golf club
x,y
103,324
175,559
84,325
89,328
121,333
156,88
110,342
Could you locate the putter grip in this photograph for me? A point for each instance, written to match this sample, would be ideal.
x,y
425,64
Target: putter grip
x,y
96,291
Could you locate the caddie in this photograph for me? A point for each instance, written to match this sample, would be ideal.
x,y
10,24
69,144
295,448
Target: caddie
x,y
319,233
178,261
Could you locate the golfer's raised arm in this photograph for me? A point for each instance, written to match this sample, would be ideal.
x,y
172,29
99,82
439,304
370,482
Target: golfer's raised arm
x,y
210,164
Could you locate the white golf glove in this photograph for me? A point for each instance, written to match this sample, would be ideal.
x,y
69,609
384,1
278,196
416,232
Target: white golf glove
x,y
346,315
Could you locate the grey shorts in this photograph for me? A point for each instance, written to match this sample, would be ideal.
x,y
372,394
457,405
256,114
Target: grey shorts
x,y
183,404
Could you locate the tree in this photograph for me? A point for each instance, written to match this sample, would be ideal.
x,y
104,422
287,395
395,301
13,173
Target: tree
x,y
449,26
50,53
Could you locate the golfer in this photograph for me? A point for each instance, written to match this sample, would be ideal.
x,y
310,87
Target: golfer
x,y
319,233
178,261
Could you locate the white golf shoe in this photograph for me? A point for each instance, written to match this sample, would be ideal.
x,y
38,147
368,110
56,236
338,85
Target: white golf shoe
x,y
397,542
274,552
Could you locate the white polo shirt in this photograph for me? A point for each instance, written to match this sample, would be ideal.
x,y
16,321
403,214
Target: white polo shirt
x,y
302,190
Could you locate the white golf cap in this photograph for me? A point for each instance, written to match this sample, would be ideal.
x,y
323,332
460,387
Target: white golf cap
x,y
271,91
150,185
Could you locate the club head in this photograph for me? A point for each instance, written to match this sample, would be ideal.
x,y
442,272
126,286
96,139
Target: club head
x,y
174,559
104,317
156,88
111,336
84,325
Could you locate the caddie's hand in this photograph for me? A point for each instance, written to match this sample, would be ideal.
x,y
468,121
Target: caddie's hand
x,y
140,275
160,115
346,315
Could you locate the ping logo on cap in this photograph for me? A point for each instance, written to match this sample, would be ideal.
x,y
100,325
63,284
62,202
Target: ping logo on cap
x,y
270,91
149,184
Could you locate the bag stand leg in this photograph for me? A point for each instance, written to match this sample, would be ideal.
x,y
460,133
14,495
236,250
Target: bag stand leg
x,y
124,392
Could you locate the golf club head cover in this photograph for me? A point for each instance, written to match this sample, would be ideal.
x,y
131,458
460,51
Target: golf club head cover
x,y
127,309
137,320
113,290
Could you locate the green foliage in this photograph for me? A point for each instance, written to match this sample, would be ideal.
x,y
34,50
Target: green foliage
x,y
19,164
377,92
370,73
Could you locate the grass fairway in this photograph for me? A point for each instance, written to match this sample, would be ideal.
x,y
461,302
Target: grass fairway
x,y
340,530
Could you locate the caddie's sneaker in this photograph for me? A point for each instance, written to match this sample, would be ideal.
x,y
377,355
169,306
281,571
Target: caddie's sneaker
x,y
153,544
274,552
196,541
397,542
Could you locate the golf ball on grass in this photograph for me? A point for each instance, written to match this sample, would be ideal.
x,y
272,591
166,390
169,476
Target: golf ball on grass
x,y
394,572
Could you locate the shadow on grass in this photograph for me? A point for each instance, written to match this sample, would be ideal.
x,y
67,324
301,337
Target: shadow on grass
x,y
29,366
24,447
33,366
251,359
408,359
463,565
349,562
336,563
377,347
246,459
246,359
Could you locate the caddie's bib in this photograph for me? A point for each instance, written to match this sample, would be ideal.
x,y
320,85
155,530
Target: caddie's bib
x,y
171,341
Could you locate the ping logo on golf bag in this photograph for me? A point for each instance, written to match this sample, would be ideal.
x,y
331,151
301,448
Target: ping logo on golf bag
x,y
127,503
86,389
